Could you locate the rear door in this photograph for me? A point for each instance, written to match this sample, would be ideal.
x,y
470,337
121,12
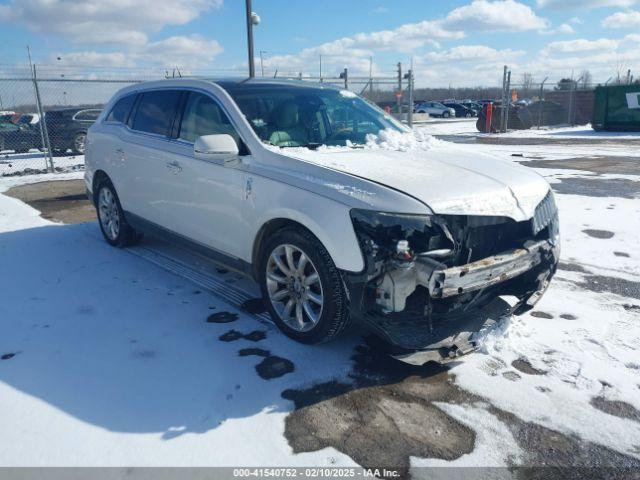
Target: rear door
x,y
148,180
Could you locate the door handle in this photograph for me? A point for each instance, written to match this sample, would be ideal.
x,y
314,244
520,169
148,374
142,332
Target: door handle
x,y
174,167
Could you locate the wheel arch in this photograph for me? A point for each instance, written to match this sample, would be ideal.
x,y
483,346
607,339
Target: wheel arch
x,y
345,256
265,231
98,176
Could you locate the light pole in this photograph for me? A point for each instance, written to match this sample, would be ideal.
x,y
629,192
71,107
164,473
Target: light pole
x,y
252,19
262,62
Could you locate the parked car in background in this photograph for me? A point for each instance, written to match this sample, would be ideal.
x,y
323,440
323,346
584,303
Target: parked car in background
x,y
435,109
19,132
67,128
234,170
461,110
473,105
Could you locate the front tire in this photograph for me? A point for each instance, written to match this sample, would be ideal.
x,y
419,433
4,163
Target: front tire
x,y
302,287
113,224
446,115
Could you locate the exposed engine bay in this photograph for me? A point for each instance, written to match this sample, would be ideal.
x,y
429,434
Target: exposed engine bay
x,y
426,275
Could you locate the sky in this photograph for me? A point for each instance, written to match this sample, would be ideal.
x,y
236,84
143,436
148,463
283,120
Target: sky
x,y
449,43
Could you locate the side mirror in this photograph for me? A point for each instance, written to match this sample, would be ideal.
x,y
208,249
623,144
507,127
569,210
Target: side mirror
x,y
221,149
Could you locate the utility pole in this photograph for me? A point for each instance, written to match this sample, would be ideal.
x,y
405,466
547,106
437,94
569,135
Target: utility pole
x,y
399,94
320,68
251,19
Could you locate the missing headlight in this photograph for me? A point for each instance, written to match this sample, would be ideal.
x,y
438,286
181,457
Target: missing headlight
x,y
397,236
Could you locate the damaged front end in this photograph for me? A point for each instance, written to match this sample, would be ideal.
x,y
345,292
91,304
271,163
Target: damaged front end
x,y
433,285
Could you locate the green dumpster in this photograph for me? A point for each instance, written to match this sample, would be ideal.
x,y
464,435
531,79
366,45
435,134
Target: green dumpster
x,y
617,108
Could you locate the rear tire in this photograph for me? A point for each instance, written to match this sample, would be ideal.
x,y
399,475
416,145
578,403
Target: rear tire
x,y
113,224
302,288
446,115
78,143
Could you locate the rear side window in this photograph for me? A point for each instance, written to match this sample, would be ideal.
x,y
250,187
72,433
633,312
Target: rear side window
x,y
121,109
155,111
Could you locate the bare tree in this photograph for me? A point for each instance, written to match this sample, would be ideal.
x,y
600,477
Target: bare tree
x,y
527,84
586,79
620,69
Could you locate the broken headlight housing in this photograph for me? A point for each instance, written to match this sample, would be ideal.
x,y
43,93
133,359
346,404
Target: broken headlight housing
x,y
400,237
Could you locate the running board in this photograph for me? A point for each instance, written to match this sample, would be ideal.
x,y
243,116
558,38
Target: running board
x,y
202,272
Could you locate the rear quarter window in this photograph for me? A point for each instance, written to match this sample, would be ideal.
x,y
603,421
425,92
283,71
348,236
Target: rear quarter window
x,y
121,109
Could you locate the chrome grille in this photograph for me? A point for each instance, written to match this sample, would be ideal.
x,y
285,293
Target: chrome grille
x,y
546,213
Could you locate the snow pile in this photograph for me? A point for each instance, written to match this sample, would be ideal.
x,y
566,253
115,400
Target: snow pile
x,y
400,141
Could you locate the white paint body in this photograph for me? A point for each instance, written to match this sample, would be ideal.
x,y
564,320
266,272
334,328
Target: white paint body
x,y
224,206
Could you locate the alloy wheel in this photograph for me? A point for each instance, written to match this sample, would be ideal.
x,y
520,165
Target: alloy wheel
x,y
294,287
79,142
109,213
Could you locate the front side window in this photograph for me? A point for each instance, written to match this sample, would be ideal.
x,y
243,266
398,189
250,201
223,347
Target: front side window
x,y
121,109
156,111
203,116
310,117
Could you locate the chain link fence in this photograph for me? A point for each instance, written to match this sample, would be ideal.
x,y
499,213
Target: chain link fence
x,y
44,118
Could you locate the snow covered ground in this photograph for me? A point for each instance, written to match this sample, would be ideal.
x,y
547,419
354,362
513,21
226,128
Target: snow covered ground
x,y
467,127
16,163
110,359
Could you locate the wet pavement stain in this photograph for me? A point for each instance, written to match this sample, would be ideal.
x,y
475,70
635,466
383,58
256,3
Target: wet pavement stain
x,y
383,413
539,314
616,407
254,306
258,352
604,283
621,254
233,335
572,267
222,317
568,316
274,367
230,336
523,365
602,234
631,308
512,376
598,187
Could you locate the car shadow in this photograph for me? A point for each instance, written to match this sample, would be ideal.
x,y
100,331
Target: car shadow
x,y
115,341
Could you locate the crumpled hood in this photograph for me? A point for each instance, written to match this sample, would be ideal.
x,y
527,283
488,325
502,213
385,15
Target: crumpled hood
x,y
446,178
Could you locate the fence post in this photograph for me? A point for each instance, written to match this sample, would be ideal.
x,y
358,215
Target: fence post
x,y
410,112
503,98
346,78
44,134
571,93
508,103
399,94
541,99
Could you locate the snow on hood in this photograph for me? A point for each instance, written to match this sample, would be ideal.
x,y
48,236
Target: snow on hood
x,y
446,178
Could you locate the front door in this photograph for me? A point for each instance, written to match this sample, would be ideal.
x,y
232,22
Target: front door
x,y
206,198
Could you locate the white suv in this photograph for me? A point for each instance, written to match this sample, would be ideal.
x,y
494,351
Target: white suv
x,y
337,210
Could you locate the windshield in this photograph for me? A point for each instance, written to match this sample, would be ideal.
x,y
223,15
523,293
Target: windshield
x,y
310,117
